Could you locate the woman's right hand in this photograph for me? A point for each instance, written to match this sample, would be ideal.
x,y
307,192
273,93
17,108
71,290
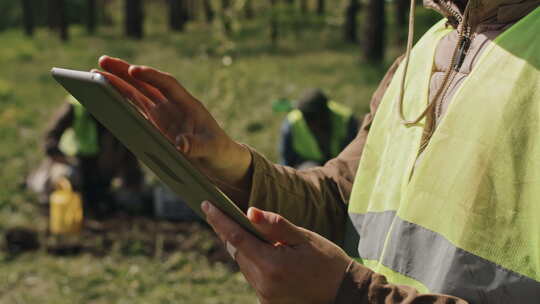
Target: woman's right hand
x,y
181,118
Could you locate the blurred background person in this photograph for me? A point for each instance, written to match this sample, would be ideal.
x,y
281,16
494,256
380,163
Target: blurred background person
x,y
75,138
316,131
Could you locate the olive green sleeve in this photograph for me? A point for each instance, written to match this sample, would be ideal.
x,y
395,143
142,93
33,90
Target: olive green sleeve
x,y
307,198
316,198
360,285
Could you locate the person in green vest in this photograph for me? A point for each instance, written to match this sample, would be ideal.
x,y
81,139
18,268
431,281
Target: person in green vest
x,y
77,139
316,131
436,199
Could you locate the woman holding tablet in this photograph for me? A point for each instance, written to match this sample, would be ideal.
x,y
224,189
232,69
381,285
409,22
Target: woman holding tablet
x,y
444,204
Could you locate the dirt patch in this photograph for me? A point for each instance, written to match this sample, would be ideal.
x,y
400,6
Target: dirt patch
x,y
125,235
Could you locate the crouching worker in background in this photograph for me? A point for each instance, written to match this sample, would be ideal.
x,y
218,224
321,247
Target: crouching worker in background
x,y
76,139
316,131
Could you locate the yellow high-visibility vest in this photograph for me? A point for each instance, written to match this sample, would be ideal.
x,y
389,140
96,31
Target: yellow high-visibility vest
x,y
305,143
465,220
82,138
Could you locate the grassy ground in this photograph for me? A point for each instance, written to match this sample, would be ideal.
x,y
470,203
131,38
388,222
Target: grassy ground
x,y
236,77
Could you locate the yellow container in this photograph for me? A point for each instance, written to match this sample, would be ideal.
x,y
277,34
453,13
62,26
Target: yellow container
x,y
66,212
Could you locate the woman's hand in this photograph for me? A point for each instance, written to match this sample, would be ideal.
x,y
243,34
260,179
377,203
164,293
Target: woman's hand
x,y
181,118
299,267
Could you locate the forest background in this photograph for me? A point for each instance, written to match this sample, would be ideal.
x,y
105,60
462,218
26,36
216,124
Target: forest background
x,y
236,56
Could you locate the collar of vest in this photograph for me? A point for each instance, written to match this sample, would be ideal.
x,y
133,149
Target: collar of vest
x,y
485,11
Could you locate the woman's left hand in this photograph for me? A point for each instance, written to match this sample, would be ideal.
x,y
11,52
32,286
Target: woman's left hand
x,y
299,266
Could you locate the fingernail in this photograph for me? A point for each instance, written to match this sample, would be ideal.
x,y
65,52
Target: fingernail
x,y
255,215
103,57
183,144
205,206
251,214
180,143
133,69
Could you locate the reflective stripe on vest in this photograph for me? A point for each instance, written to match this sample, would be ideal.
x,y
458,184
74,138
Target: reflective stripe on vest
x,y
82,138
466,222
306,145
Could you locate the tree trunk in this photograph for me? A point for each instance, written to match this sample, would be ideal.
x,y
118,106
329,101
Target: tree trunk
x,y
304,6
51,15
134,19
226,16
374,32
188,8
28,17
321,7
351,24
402,7
63,20
248,9
401,10
177,15
91,16
105,14
274,31
208,11
57,18
195,9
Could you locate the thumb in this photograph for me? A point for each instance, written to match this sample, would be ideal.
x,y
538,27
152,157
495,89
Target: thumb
x,y
275,227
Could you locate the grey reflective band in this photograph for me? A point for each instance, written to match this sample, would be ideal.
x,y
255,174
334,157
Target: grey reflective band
x,y
372,231
431,259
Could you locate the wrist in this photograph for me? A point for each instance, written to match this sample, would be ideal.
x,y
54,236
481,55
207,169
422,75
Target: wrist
x,y
230,164
237,164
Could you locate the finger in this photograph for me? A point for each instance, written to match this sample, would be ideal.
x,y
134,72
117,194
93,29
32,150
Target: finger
x,y
182,144
229,231
164,82
275,227
128,91
120,68
132,94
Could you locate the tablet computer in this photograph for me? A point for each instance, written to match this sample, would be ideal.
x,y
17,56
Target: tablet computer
x,y
144,140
